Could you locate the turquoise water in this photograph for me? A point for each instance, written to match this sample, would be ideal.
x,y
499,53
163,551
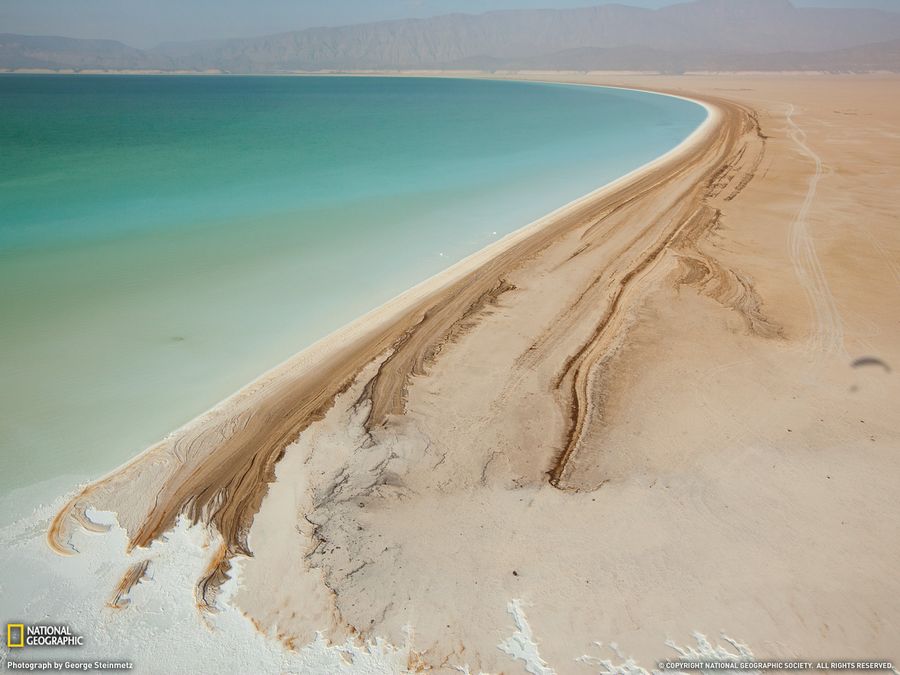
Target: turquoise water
x,y
164,240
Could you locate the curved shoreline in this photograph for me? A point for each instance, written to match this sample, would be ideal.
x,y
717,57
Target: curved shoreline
x,y
115,460
405,300
217,467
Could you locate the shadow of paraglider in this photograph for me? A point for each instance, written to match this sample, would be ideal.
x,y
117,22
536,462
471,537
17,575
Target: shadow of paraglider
x,y
865,361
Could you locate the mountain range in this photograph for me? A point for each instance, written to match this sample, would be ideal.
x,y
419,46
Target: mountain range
x,y
698,35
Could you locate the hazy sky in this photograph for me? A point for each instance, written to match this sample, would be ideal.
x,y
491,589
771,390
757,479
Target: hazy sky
x,y
144,23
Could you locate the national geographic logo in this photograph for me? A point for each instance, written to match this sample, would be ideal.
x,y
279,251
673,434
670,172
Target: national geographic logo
x,y
20,635
15,635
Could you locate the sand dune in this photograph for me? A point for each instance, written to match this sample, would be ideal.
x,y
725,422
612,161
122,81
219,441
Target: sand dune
x,y
638,415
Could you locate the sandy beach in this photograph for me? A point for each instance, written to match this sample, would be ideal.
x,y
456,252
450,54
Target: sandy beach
x,y
670,406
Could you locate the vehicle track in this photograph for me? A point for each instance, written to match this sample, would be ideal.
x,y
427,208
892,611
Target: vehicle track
x,y
827,332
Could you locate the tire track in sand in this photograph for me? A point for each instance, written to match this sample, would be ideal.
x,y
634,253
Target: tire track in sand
x,y
827,332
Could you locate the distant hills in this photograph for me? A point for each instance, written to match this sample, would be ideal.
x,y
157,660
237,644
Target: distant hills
x,y
698,35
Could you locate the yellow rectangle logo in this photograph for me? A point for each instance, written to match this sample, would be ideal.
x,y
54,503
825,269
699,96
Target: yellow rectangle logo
x,y
13,643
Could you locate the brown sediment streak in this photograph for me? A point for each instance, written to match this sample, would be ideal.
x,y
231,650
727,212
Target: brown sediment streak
x,y
215,575
74,511
727,165
727,286
419,346
216,470
133,576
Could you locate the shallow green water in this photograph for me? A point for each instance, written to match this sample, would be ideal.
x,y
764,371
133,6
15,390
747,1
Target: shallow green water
x,y
163,240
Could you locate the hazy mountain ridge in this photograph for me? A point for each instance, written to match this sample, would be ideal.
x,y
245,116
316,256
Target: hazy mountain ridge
x,y
39,51
884,56
704,34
